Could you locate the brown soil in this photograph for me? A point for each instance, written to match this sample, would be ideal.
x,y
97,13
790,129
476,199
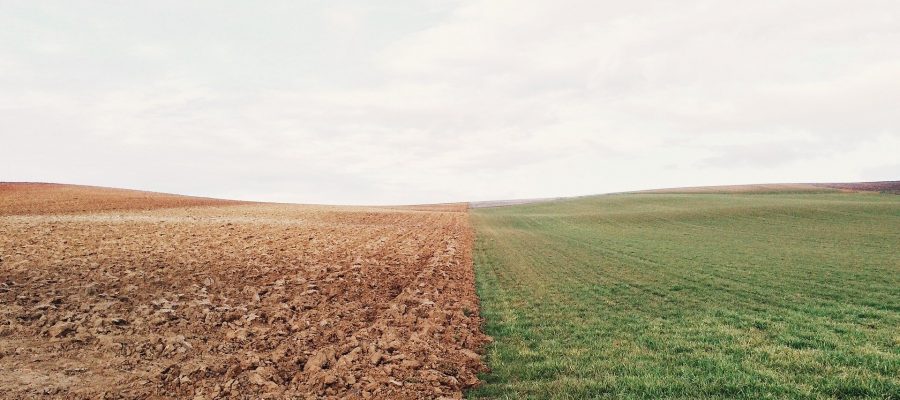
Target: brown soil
x,y
884,186
52,198
225,300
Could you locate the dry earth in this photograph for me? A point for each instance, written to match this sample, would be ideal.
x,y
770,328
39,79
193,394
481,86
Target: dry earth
x,y
882,186
52,198
161,296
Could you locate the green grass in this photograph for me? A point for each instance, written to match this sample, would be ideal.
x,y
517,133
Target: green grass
x,y
692,296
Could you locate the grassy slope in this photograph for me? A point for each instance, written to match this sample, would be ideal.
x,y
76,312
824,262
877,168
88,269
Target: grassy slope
x,y
692,295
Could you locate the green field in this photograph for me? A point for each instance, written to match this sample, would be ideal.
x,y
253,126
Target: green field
x,y
692,296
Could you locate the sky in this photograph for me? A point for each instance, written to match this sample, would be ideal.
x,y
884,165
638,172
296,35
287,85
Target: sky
x,y
406,102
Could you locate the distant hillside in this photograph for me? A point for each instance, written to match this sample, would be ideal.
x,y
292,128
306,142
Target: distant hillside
x,y
20,198
501,203
884,186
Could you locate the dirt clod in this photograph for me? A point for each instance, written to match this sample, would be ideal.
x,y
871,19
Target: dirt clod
x,y
61,329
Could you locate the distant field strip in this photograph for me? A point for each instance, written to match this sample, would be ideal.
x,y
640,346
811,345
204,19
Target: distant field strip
x,y
692,295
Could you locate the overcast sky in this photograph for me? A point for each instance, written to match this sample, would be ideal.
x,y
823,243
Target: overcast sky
x,y
431,101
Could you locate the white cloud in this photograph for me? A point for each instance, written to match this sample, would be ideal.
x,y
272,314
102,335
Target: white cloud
x,y
442,101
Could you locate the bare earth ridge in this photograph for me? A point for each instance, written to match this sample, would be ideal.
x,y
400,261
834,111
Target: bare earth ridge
x,y
123,294
52,198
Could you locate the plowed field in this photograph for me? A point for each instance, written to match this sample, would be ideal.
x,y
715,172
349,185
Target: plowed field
x,y
164,296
